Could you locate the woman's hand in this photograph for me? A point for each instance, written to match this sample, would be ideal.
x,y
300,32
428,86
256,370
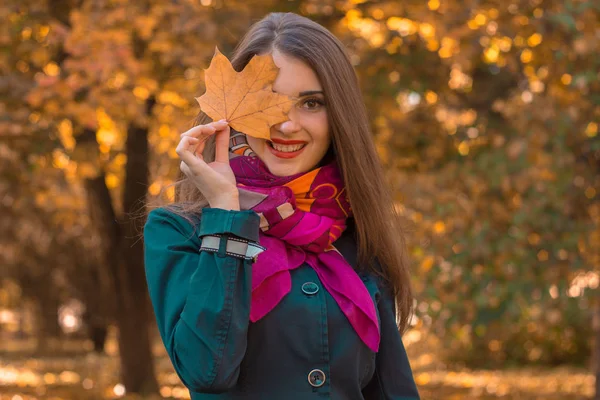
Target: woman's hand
x,y
215,180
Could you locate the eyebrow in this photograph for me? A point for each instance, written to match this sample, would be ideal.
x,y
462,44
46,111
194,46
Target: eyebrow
x,y
310,92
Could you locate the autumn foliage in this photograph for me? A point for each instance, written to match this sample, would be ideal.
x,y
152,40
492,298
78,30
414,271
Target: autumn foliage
x,y
485,115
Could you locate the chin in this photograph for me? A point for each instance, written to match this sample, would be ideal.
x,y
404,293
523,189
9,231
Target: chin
x,y
286,167
283,170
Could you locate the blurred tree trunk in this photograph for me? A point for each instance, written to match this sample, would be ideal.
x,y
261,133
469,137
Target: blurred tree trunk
x,y
124,256
48,313
596,358
48,329
98,334
39,289
96,321
94,289
596,314
135,314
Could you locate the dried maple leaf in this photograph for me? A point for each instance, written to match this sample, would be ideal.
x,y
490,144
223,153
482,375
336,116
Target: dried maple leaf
x,y
245,99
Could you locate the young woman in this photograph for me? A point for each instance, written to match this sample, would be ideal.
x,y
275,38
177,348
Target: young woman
x,y
265,283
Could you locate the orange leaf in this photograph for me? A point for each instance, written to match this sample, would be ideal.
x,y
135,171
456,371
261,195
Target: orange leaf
x,y
245,99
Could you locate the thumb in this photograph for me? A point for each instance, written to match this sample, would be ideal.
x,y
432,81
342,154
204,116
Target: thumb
x,y
222,145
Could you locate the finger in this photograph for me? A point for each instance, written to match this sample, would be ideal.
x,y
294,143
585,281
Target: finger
x,y
200,131
207,129
196,146
188,143
199,147
222,145
187,154
195,171
221,124
187,171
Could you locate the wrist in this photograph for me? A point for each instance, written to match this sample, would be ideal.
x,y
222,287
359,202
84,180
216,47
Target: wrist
x,y
228,202
228,207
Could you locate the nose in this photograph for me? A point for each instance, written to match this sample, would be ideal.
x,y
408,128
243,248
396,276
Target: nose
x,y
288,127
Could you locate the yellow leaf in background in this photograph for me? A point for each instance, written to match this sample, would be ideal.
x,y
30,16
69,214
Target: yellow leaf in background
x,y
423,379
40,56
163,146
433,45
172,98
71,172
173,154
104,148
164,131
526,56
43,32
34,118
87,170
491,54
145,24
40,198
427,263
566,79
112,181
245,99
480,19
65,134
51,69
107,137
171,193
591,130
154,189
26,33
378,13
534,40
426,30
141,92
590,192
120,160
439,227
59,159
431,97
433,4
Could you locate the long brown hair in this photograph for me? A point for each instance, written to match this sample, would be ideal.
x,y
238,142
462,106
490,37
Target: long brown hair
x,y
380,232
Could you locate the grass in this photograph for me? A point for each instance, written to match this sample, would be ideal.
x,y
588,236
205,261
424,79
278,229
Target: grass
x,y
69,371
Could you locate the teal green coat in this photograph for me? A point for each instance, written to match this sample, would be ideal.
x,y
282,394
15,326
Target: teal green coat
x,y
202,305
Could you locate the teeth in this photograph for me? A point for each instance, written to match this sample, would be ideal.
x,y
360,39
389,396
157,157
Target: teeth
x,y
287,148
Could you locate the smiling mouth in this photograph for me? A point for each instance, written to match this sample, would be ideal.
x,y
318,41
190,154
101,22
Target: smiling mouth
x,y
286,148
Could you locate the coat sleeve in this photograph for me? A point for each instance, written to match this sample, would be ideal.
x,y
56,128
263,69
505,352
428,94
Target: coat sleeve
x,y
201,300
393,378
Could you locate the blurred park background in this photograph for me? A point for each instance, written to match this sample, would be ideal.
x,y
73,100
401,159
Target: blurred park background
x,y
485,114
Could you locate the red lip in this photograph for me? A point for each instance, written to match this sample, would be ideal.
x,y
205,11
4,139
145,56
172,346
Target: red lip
x,y
289,142
282,154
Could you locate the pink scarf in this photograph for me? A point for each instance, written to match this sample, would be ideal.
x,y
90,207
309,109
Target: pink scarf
x,y
301,217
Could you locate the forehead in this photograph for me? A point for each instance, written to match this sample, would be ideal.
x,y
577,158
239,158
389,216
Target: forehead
x,y
294,76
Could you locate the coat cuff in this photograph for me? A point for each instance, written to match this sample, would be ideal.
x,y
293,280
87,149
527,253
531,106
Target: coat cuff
x,y
244,224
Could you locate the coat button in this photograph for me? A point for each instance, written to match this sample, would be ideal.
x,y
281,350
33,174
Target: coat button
x,y
316,378
310,288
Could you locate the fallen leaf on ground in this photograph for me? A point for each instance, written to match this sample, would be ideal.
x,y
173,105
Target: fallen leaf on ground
x,y
245,99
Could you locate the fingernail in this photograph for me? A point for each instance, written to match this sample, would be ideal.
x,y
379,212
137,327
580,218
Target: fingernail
x,y
221,121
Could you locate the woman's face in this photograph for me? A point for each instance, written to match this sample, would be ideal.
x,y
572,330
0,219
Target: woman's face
x,y
298,144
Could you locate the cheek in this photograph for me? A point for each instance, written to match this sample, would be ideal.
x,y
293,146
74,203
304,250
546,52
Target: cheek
x,y
321,134
255,144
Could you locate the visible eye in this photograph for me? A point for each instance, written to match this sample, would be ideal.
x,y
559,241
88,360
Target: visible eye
x,y
312,103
